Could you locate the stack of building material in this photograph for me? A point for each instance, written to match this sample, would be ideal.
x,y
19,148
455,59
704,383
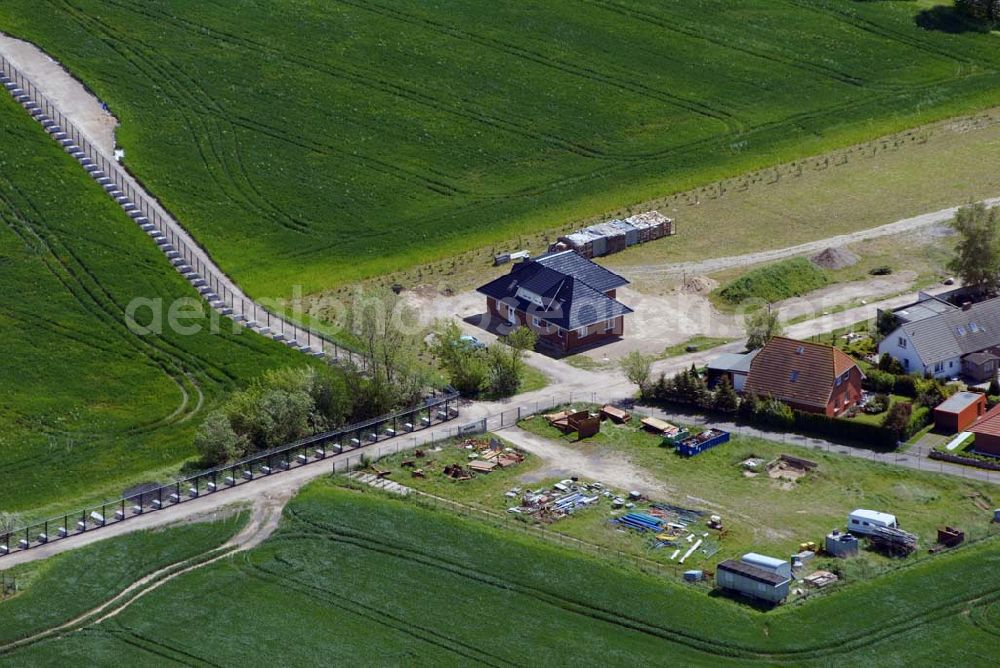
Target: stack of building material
x,y
651,225
639,522
616,235
893,541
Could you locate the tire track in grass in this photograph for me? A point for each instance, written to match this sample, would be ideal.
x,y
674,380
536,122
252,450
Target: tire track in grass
x,y
620,80
262,523
86,296
887,631
882,31
767,55
373,614
366,78
200,127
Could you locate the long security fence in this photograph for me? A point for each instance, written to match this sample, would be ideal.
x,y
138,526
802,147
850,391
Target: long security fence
x,y
434,410
192,261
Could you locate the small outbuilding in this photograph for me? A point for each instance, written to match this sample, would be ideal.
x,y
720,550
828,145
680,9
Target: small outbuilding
x,y
756,576
839,544
987,431
734,366
959,411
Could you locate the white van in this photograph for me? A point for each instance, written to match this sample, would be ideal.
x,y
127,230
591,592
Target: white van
x,y
864,521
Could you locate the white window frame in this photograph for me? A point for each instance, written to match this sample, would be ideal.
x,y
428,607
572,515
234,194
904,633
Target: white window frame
x,y
510,312
582,331
535,322
901,342
609,325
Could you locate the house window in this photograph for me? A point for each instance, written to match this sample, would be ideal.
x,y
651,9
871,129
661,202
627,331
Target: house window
x,y
951,364
561,333
609,325
800,350
794,377
535,321
973,327
901,342
581,332
510,312
838,381
939,367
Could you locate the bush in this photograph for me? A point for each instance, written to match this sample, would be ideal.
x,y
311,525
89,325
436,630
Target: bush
x,y
881,270
891,365
905,386
878,404
879,381
897,420
774,413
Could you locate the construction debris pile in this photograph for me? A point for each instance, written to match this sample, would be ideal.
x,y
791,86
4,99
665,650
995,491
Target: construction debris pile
x,y
483,455
562,499
672,527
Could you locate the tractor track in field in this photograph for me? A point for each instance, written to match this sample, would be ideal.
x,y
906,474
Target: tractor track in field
x,y
264,519
886,632
69,270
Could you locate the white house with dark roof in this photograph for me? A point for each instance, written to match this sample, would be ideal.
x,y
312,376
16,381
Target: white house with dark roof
x,y
951,341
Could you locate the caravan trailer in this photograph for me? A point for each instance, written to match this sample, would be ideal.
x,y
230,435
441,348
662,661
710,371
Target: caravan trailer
x,y
864,521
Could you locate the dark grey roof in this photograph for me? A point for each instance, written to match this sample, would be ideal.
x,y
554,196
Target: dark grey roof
x,y
753,572
573,264
925,308
956,333
958,401
568,301
735,362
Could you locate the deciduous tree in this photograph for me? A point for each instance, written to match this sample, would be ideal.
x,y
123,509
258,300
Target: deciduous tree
x,y
977,253
761,326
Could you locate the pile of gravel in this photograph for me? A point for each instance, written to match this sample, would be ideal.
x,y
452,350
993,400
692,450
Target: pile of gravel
x,y
834,258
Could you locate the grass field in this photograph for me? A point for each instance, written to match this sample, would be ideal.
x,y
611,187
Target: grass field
x,y
63,587
88,405
315,132
356,578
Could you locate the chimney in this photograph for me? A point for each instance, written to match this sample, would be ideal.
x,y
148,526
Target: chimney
x,y
966,306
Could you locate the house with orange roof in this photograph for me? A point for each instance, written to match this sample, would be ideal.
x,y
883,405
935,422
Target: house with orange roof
x,y
810,377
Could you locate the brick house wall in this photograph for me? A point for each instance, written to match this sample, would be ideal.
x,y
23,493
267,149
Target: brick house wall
x,y
846,394
554,337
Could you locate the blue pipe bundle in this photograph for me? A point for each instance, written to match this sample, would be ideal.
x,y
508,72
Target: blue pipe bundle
x,y
640,522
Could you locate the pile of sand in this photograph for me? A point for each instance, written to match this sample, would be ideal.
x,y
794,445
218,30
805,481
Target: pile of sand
x,y
698,285
834,258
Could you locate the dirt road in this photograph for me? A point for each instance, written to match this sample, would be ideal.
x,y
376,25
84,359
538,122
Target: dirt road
x,y
712,265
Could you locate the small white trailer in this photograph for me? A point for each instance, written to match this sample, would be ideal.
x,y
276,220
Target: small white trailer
x,y
863,521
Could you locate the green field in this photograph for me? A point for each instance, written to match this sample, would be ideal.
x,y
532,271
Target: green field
x,y
63,587
88,405
355,578
342,140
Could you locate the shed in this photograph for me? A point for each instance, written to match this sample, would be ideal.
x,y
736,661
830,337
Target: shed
x,y
987,431
841,544
756,576
734,366
959,411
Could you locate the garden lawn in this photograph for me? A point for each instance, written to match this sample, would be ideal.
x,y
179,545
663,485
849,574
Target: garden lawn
x,y
315,143
90,407
360,578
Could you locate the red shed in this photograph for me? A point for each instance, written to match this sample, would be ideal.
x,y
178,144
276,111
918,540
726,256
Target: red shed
x,y
959,411
987,431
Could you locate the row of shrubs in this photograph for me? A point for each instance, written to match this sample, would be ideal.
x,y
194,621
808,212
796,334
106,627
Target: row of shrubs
x,y
689,387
